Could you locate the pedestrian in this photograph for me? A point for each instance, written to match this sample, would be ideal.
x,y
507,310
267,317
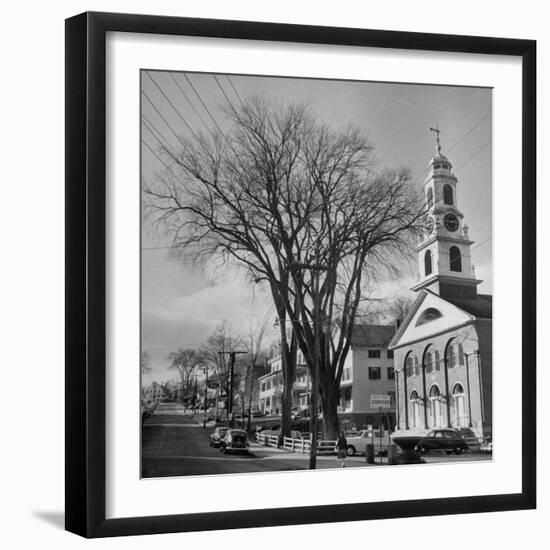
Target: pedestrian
x,y
342,449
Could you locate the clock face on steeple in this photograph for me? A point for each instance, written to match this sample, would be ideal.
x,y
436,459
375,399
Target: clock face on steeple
x,y
451,222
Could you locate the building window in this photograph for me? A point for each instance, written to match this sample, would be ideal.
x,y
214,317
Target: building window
x,y
410,364
390,354
263,386
374,354
429,314
447,194
429,198
431,360
374,373
427,262
346,375
455,259
391,373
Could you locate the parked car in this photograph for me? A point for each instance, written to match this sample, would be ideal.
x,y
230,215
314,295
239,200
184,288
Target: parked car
x,y
442,440
357,442
256,414
235,441
217,435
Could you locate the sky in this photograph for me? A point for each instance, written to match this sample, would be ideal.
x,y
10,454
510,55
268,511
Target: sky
x,y
182,306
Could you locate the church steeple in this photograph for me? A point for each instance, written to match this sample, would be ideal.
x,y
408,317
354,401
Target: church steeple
x,y
444,254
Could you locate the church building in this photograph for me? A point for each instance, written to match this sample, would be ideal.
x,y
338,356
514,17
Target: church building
x,y
443,348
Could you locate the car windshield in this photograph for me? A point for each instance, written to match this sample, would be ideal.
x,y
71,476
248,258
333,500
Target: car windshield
x,y
431,434
221,431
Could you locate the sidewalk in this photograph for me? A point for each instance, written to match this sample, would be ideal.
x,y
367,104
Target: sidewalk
x,y
325,460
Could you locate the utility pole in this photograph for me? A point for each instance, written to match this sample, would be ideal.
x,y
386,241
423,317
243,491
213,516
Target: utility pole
x,y
315,268
232,357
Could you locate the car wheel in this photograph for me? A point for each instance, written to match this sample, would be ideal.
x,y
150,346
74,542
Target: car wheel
x,y
350,450
458,450
449,452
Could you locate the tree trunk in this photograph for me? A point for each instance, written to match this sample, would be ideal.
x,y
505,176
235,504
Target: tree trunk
x,y
330,396
288,357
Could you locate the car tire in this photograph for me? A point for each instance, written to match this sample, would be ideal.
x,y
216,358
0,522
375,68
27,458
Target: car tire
x,y
350,450
458,450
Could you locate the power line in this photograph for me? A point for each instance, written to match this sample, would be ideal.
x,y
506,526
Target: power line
x,y
213,119
202,102
455,144
162,117
160,137
153,131
190,103
469,132
234,89
223,91
173,107
476,153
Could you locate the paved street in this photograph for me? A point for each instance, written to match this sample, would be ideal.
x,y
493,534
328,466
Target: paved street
x,y
175,444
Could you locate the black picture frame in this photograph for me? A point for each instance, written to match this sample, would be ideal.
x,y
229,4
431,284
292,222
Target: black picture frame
x,y
86,273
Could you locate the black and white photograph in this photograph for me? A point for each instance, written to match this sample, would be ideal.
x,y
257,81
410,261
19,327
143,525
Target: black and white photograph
x,y
316,274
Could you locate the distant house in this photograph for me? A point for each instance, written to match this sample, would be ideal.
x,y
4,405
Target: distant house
x,y
248,389
368,370
153,394
271,386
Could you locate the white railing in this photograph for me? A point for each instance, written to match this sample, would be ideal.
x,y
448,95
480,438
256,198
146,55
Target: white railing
x,y
267,439
296,444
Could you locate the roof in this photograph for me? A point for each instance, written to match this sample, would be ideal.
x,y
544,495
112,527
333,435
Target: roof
x,y
480,307
372,336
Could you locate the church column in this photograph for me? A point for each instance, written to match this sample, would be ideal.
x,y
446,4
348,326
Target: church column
x,y
397,415
447,396
469,391
425,400
406,399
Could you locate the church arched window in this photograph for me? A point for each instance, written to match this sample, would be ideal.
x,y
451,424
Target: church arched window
x,y
430,314
455,259
427,262
429,197
448,194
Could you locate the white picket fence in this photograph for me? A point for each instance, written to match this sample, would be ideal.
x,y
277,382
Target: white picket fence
x,y
296,444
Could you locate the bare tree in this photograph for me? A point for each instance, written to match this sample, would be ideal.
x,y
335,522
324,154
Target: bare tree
x,y
145,362
398,308
216,351
267,195
253,343
185,362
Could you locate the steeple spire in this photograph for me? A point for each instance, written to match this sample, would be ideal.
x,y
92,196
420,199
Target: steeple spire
x,y
437,131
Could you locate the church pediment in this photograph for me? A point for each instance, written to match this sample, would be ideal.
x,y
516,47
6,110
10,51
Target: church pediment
x,y
429,315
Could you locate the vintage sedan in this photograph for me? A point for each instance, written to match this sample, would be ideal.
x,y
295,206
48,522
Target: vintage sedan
x,y
217,435
357,443
234,441
447,440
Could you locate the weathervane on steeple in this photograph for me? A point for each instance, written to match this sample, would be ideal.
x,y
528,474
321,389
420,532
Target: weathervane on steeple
x,y
437,132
